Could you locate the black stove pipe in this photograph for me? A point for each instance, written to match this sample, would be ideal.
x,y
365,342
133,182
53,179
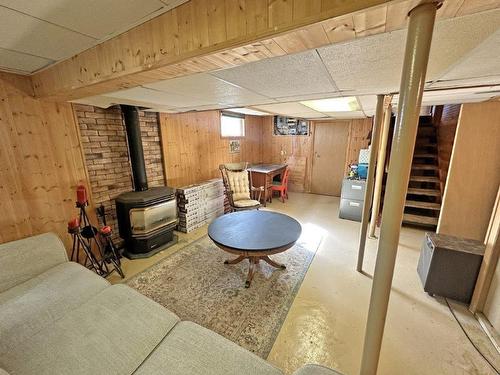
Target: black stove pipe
x,y
132,125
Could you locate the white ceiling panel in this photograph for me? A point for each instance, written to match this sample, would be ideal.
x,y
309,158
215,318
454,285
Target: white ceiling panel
x,y
96,18
285,108
308,115
373,64
248,111
481,81
22,33
21,62
455,39
482,62
302,97
368,102
206,86
456,96
101,101
297,74
346,115
159,97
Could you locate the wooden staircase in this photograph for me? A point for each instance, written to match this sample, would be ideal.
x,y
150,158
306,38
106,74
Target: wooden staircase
x,y
423,200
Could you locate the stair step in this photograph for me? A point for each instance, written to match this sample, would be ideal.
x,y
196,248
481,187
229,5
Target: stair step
x,y
425,167
419,219
426,130
424,155
424,205
428,192
424,179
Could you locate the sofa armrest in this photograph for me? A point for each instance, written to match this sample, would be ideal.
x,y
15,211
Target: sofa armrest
x,y
315,370
24,259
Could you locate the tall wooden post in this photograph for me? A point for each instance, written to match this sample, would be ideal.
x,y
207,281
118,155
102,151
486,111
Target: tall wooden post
x,y
370,178
418,43
379,173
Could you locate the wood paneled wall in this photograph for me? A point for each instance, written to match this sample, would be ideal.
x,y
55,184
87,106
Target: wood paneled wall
x,y
41,162
193,148
359,138
446,129
296,151
474,173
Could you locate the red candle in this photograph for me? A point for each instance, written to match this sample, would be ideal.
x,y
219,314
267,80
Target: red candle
x,y
81,195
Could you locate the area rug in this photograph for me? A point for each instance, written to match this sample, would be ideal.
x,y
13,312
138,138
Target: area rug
x,y
195,283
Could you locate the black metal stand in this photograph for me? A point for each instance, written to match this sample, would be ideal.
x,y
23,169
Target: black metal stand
x,y
84,236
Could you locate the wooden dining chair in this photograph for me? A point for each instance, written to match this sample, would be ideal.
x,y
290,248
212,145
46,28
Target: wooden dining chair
x,y
282,186
240,192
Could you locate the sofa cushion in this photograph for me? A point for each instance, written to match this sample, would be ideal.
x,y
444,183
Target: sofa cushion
x,y
23,259
315,370
31,306
194,350
112,333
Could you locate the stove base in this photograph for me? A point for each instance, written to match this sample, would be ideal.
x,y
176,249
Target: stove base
x,y
145,248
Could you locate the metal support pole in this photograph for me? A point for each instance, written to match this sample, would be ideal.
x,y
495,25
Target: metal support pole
x,y
379,173
370,178
418,43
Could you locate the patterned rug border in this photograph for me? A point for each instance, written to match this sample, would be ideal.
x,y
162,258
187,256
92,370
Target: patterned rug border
x,y
282,317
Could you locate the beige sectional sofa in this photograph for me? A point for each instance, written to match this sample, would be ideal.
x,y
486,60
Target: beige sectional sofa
x,y
57,317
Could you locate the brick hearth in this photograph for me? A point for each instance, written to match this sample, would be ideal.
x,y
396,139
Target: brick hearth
x,y
106,154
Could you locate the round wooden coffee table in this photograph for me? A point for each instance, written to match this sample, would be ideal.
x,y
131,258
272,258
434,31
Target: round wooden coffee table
x,y
254,235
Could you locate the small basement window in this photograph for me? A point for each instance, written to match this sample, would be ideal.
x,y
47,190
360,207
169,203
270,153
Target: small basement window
x,y
232,125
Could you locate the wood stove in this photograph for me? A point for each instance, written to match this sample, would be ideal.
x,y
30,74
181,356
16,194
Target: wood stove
x,y
146,217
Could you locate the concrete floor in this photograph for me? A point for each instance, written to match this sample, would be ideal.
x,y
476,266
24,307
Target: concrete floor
x,y
326,322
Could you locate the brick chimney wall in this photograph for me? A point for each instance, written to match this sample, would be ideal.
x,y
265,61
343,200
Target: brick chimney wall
x,y
104,143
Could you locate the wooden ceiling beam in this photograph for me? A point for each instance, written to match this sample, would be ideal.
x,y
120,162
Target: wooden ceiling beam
x,y
206,35
197,28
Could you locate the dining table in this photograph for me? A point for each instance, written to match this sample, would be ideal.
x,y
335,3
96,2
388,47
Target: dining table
x,y
263,175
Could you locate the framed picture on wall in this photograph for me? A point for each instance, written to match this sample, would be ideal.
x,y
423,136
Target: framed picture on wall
x,y
290,126
234,146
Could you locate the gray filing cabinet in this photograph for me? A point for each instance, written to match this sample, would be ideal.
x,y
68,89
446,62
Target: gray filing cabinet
x,y
351,199
448,266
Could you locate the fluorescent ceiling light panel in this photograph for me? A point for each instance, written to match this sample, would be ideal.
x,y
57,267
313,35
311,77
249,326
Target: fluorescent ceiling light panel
x,y
248,111
343,104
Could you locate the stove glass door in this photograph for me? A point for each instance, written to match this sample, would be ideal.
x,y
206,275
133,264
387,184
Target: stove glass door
x,y
148,219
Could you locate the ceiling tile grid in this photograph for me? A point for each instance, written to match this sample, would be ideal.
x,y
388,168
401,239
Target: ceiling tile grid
x,y
301,73
58,29
464,50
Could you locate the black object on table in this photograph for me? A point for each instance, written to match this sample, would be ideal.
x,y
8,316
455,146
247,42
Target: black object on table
x,y
254,235
449,266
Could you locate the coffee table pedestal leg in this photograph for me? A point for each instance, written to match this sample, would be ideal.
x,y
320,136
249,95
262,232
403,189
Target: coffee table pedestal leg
x,y
236,260
272,262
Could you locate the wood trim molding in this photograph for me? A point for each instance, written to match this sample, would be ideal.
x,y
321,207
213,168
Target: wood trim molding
x,y
206,35
490,260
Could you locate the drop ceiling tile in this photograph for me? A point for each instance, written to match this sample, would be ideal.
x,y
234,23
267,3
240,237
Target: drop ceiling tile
x,y
297,74
482,62
248,111
21,62
155,97
373,64
487,80
285,108
212,88
22,33
345,115
302,97
308,115
100,101
368,102
457,39
96,18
